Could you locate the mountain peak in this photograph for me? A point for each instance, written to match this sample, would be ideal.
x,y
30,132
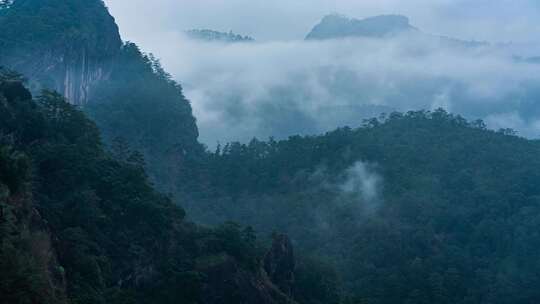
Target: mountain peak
x,y
62,45
339,26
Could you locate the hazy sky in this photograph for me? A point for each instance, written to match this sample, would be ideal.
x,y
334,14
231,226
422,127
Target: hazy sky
x,y
494,20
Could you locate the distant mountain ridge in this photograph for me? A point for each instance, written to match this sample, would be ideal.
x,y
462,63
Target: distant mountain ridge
x,y
216,36
337,26
75,48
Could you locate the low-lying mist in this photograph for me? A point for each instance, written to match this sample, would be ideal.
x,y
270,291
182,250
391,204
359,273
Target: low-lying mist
x,y
282,88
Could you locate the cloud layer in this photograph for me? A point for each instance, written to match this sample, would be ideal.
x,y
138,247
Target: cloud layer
x,y
288,86
264,89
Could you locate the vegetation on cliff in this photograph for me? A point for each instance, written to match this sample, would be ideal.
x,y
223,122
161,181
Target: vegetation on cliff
x,y
59,45
99,232
142,107
215,36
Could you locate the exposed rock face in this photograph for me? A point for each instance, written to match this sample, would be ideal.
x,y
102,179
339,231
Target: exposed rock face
x,y
337,26
279,264
228,282
67,46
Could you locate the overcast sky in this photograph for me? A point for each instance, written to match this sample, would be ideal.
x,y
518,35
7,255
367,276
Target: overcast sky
x,y
494,20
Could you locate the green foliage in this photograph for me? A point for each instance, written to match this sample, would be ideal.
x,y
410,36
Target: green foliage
x,y
236,242
452,224
141,105
66,124
21,278
21,281
316,282
456,219
116,239
14,169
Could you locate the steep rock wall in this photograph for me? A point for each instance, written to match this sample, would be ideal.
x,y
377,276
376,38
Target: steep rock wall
x,y
67,46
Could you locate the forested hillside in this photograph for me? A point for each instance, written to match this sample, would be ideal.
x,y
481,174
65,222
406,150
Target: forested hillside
x,y
74,47
140,107
79,225
423,207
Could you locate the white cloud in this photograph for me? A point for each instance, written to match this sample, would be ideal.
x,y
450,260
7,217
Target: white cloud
x,y
282,85
264,89
362,181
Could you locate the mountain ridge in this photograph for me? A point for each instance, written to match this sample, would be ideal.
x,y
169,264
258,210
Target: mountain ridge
x,y
336,26
217,36
340,26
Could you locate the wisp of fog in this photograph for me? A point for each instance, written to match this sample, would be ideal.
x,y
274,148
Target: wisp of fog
x,y
245,90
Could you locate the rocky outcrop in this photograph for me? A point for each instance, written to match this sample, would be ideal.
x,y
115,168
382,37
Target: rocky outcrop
x,y
67,46
72,73
279,264
227,281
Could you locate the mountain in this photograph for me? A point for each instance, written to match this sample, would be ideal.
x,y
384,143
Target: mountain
x,y
78,225
67,46
338,26
420,207
80,220
74,47
215,36
383,26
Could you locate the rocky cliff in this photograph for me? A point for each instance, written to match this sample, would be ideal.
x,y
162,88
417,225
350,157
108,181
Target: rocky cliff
x,y
279,264
67,46
228,282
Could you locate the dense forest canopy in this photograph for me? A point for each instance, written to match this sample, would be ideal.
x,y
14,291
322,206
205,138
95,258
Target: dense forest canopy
x,y
142,106
422,207
81,225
